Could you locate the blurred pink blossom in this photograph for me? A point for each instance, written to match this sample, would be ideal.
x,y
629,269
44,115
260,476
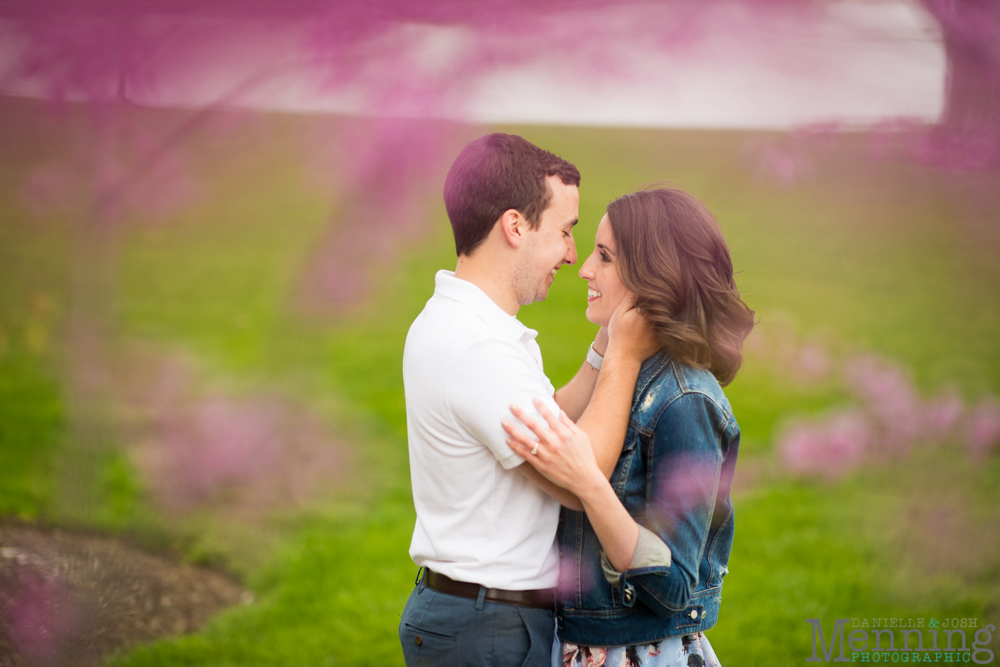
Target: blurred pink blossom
x,y
41,618
813,364
251,453
218,442
888,396
685,480
567,586
782,351
386,170
827,449
983,428
941,414
119,173
786,166
891,138
889,420
51,189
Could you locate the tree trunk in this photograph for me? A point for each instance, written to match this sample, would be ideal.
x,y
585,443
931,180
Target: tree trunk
x,y
969,134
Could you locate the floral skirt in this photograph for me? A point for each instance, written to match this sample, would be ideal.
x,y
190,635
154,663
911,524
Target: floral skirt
x,y
685,651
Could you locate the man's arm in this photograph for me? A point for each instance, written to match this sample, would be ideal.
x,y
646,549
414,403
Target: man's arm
x,y
554,491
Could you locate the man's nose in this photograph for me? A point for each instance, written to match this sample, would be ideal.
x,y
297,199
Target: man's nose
x,y
570,257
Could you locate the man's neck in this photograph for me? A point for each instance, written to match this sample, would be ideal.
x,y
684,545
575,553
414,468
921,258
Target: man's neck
x,y
486,276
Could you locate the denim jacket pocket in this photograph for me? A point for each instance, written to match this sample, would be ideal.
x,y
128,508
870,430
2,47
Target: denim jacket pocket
x,y
717,553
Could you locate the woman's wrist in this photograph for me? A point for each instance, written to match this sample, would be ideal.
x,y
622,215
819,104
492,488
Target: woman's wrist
x,y
600,344
592,488
594,358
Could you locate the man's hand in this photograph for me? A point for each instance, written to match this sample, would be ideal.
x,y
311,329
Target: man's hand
x,y
630,334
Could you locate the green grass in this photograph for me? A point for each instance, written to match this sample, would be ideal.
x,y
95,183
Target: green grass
x,y
855,549
30,421
873,256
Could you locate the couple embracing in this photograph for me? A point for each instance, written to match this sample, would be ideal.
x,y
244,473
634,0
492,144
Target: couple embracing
x,y
590,525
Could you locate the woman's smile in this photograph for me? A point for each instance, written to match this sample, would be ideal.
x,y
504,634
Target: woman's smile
x,y
605,289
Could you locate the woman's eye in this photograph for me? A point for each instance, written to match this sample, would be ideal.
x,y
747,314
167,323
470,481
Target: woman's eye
x,y
605,258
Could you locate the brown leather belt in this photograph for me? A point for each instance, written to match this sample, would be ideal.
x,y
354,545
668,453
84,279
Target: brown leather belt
x,y
543,598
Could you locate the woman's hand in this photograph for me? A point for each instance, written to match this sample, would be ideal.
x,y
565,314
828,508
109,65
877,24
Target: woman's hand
x,y
562,452
564,456
631,334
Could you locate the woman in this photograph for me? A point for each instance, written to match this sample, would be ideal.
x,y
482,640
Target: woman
x,y
642,566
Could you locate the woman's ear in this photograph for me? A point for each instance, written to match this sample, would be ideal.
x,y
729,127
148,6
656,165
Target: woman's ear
x,y
514,226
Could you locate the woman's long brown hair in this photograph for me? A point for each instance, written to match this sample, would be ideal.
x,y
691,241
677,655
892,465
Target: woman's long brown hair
x,y
672,256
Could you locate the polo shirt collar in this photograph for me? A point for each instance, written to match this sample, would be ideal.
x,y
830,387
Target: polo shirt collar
x,y
448,285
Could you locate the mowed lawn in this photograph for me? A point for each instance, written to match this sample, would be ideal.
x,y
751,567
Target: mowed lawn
x,y
871,255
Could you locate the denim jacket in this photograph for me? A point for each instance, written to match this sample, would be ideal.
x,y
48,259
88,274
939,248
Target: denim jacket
x,y
673,476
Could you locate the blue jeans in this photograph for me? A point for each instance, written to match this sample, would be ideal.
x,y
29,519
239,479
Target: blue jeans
x,y
438,630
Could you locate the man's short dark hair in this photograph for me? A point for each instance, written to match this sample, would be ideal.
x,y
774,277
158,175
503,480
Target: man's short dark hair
x,y
494,174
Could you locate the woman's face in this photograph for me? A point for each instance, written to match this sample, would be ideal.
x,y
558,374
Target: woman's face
x,y
605,289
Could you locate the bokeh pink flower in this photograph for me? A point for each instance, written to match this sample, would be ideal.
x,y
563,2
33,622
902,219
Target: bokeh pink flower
x,y
829,448
41,617
247,454
983,428
887,420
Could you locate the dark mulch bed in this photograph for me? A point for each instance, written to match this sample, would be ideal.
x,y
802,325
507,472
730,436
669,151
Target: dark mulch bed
x,y
68,598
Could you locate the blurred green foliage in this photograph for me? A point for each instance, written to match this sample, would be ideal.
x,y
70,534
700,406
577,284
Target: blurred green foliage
x,y
872,255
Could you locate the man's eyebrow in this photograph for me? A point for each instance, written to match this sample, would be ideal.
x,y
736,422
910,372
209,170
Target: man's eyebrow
x,y
605,248
573,222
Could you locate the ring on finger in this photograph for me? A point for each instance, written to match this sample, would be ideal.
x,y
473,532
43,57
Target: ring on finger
x,y
534,452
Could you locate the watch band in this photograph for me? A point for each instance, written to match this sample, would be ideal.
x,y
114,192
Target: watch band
x,y
593,358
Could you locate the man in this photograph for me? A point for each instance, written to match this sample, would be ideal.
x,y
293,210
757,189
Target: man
x,y
486,521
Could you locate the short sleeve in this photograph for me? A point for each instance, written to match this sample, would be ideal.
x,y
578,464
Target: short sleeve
x,y
485,380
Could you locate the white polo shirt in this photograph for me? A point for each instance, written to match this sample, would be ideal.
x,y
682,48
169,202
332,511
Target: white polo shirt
x,y
478,520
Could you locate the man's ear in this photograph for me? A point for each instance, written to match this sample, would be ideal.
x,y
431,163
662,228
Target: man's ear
x,y
514,226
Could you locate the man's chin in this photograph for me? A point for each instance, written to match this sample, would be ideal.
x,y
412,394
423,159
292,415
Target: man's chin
x,y
542,293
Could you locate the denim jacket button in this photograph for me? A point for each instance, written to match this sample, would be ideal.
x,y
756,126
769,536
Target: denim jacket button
x,y
704,614
629,594
694,614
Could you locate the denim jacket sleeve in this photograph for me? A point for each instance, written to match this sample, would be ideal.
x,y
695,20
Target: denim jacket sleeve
x,y
650,551
685,454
